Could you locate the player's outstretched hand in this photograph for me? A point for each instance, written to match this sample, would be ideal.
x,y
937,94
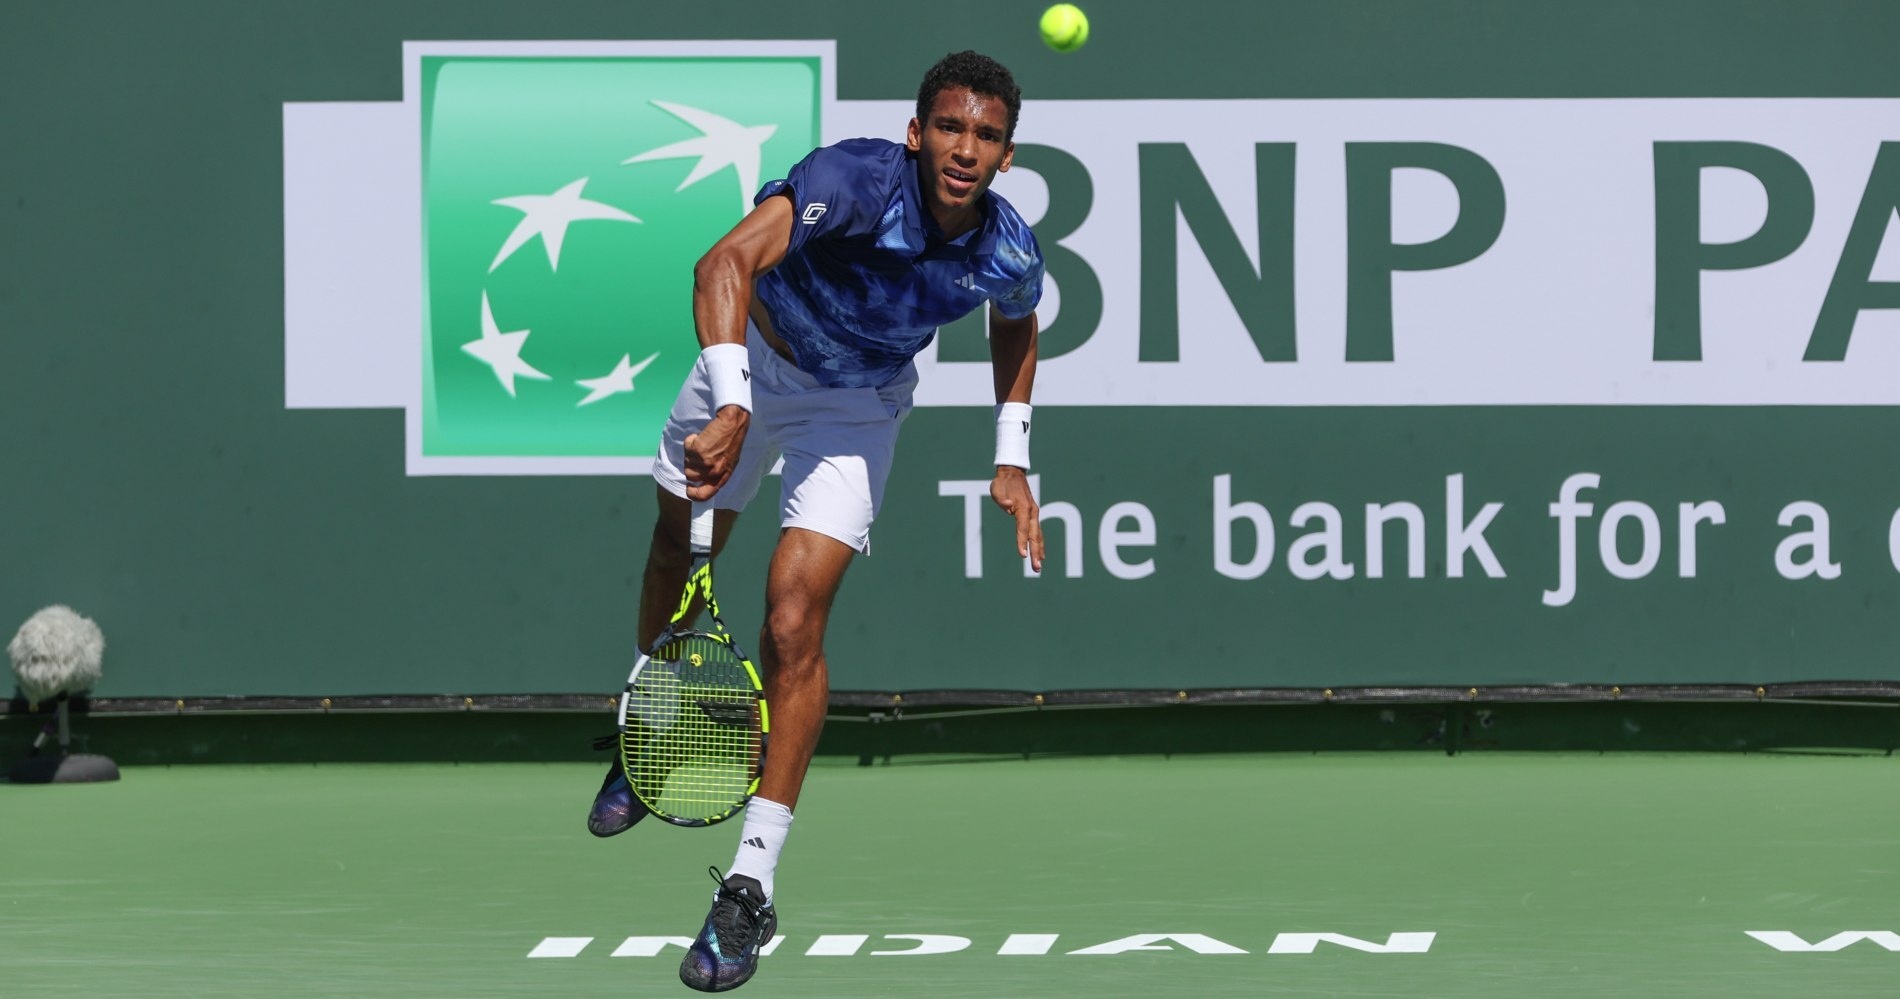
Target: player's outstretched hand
x,y
713,453
1010,490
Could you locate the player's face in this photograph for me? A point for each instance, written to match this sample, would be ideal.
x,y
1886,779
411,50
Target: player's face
x,y
960,149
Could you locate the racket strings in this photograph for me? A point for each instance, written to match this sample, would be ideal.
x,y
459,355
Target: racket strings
x,y
691,745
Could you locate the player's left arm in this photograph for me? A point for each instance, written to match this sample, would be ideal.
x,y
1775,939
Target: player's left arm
x,y
1013,360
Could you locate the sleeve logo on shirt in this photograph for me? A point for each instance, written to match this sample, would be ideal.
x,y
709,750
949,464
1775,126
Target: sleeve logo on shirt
x,y
813,212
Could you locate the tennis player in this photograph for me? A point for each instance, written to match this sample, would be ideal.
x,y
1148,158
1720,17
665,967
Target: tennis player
x,y
809,313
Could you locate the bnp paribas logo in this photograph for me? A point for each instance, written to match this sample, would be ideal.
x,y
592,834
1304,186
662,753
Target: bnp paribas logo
x,y
565,192
565,202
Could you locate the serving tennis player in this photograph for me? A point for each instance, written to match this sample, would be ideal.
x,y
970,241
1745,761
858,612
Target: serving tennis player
x,y
809,313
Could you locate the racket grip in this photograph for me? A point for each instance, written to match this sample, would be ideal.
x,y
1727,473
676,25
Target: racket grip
x,y
702,528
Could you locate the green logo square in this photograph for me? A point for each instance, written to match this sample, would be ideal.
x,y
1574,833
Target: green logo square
x,y
565,201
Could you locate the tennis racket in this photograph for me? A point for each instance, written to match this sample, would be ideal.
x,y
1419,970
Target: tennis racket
x,y
693,721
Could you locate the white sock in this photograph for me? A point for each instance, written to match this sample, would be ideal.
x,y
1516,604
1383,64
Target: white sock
x,y
766,823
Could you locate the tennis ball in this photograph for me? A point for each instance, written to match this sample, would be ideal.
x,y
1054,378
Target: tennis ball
x,y
1065,27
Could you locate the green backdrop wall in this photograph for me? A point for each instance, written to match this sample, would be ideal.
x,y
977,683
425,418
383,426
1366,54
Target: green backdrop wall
x,y
155,480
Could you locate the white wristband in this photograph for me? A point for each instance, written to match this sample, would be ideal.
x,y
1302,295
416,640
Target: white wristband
x,y
1012,434
728,369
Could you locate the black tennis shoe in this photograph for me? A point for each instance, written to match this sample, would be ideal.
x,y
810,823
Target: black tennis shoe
x,y
614,810
726,952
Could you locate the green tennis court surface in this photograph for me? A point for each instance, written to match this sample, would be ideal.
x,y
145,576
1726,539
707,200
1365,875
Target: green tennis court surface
x,y
1532,875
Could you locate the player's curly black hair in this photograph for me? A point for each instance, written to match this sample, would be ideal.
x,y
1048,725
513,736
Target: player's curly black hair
x,y
981,74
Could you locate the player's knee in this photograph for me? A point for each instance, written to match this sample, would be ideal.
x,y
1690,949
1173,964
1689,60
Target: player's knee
x,y
794,633
670,549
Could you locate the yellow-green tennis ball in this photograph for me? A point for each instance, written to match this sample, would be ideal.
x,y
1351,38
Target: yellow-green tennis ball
x,y
1065,27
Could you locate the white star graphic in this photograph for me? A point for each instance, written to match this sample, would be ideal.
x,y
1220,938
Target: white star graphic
x,y
548,216
502,351
620,380
722,142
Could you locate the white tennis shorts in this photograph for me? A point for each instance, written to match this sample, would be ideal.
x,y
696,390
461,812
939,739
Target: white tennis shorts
x,y
837,444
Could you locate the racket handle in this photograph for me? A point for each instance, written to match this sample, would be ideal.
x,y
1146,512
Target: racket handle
x,y
702,528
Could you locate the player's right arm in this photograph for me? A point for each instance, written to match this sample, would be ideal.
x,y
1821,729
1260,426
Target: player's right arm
x,y
722,295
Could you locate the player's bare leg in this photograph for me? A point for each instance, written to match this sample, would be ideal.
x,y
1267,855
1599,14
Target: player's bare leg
x,y
807,568
800,585
669,559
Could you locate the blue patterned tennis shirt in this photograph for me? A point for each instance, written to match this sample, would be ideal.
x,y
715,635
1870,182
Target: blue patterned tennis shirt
x,y
869,276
